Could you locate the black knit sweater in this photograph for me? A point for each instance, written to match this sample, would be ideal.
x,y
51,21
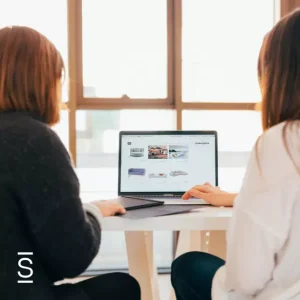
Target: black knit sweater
x,y
41,213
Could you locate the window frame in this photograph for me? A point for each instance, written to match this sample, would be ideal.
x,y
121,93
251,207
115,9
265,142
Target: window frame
x,y
77,101
124,101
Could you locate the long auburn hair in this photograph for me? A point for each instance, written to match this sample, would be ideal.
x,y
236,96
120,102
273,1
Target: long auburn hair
x,y
30,67
279,75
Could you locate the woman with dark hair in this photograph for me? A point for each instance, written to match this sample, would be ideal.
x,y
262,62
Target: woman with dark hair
x,y
46,234
263,239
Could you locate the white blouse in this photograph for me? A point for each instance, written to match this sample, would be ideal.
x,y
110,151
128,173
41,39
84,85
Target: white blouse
x,y
263,258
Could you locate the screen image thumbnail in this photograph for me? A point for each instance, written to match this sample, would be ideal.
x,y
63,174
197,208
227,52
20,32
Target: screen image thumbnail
x,y
178,152
137,152
158,175
178,173
157,152
136,172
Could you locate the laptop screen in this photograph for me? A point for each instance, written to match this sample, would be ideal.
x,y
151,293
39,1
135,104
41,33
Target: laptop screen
x,y
166,162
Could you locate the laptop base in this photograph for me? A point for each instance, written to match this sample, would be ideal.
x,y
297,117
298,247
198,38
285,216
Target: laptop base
x,y
173,200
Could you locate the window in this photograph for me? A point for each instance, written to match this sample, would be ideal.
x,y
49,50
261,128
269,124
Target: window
x,y
220,46
125,48
62,128
237,130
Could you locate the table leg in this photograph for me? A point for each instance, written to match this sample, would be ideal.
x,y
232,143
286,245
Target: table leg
x,y
139,246
217,244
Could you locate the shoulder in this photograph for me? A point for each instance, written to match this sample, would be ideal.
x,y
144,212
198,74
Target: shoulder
x,y
23,125
281,141
272,136
39,135
23,135
284,132
275,155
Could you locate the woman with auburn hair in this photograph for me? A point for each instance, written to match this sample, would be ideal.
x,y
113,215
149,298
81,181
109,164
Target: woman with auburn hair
x,y
263,238
46,234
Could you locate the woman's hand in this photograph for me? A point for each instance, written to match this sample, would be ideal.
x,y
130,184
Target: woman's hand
x,y
212,195
109,208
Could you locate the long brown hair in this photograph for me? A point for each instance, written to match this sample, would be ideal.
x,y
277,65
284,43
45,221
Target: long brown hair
x,y
30,67
279,72
279,77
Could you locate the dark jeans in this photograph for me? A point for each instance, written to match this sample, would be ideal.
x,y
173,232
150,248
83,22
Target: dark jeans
x,y
192,275
114,286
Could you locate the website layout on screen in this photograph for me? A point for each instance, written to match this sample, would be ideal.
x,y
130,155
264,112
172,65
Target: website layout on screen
x,y
166,163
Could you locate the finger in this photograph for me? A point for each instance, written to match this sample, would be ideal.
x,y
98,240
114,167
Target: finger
x,y
200,188
119,209
186,196
197,194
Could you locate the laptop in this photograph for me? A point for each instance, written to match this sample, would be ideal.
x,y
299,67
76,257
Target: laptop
x,y
163,165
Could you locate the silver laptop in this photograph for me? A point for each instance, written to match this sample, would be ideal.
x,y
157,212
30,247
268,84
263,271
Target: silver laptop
x,y
163,165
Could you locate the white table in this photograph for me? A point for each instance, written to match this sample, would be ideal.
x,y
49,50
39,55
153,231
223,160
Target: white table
x,y
193,236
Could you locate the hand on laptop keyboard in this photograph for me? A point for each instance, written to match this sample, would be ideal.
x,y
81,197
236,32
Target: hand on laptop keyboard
x,y
211,194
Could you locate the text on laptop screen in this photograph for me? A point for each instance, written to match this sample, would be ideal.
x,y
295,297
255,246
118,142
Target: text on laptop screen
x,y
166,163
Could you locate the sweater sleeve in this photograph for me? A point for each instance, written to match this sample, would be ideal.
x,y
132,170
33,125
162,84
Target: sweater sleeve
x,y
65,237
